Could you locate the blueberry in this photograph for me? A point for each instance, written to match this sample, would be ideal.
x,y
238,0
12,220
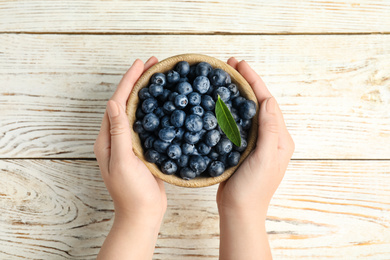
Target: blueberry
x,y
159,112
158,78
217,77
144,94
202,132
183,161
148,143
207,160
144,135
203,69
197,110
211,90
187,148
191,137
209,121
173,76
228,79
167,134
207,102
223,92
181,101
149,105
177,118
201,84
139,114
234,113
212,138
166,121
247,109
169,167
197,164
194,98
172,96
213,155
183,68
137,127
156,90
161,146
192,74
174,151
237,101
246,123
168,107
165,95
223,158
184,88
152,156
163,157
243,146
184,79
150,122
224,146
203,148
179,133
216,168
233,90
233,158
193,123
187,174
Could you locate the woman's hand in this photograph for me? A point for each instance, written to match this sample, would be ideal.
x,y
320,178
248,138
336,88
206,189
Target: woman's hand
x,y
139,198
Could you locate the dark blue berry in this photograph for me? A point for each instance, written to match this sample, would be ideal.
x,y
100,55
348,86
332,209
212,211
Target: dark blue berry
x,y
156,90
150,122
183,68
233,90
152,156
172,96
247,109
224,146
159,112
218,77
201,84
228,79
184,88
243,146
169,167
181,101
173,76
191,137
216,168
149,105
193,123
169,107
209,121
212,138
197,164
158,78
223,92
144,94
233,158
211,90
161,146
234,113
223,158
179,133
167,134
203,69
163,157
148,143
137,127
183,161
203,148
194,98
192,73
177,118
246,123
197,110
207,102
207,160
144,135
165,95
174,151
236,102
213,155
139,114
187,174
166,121
187,148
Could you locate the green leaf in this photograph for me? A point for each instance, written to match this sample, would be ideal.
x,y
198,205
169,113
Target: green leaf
x,y
226,122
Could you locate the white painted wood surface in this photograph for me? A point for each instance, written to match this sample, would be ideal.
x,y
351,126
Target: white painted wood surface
x,y
335,94
60,209
196,16
326,62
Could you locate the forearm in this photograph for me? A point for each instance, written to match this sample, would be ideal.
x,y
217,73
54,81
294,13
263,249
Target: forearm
x,y
243,236
130,239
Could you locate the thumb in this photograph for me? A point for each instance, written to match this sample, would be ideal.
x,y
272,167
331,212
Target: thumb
x,y
121,144
269,128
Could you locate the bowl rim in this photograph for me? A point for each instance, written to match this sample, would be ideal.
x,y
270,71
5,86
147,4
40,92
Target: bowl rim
x,y
164,66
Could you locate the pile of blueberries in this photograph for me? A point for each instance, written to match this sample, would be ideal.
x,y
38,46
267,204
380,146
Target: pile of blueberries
x,y
177,125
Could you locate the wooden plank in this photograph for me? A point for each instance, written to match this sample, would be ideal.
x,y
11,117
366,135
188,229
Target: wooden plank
x,y
199,16
60,209
335,93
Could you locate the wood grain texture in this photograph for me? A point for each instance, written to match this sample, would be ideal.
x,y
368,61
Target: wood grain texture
x,y
60,209
334,90
195,16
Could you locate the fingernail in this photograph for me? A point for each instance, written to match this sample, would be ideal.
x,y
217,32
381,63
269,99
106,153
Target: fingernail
x,y
270,106
112,109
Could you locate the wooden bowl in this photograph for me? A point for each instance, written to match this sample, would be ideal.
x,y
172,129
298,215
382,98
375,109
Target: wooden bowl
x,y
163,67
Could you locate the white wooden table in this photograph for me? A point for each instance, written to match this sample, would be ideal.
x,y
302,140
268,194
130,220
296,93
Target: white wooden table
x,y
326,62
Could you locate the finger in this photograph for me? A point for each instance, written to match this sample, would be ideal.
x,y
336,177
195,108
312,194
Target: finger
x,y
150,62
254,80
269,130
127,83
233,62
101,147
121,144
